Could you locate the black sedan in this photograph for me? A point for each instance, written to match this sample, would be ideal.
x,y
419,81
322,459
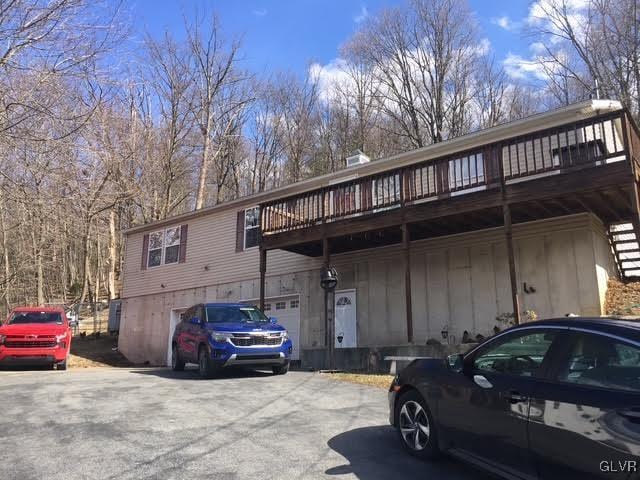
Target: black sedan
x,y
543,400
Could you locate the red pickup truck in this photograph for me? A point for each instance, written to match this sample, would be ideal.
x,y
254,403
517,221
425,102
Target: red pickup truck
x,y
35,336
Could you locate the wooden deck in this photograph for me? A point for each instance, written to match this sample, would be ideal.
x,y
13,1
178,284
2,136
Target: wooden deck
x,y
586,166
592,165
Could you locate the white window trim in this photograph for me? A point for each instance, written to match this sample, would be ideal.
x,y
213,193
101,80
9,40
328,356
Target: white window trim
x,y
163,248
244,228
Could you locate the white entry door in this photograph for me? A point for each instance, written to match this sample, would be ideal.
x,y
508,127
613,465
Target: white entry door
x,y
345,319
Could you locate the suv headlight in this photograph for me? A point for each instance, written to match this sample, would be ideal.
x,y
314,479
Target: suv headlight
x,y
219,337
285,336
2,339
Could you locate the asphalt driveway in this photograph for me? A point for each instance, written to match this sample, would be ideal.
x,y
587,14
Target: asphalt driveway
x,y
152,423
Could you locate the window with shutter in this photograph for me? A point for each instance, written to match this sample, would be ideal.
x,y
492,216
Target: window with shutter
x,y
164,247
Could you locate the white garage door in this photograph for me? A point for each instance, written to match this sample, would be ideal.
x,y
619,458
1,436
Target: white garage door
x,y
287,311
174,319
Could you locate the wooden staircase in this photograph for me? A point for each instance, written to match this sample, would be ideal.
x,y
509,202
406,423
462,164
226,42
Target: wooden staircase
x,y
624,241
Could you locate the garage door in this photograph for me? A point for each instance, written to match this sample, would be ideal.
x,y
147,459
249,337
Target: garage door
x,y
174,319
287,311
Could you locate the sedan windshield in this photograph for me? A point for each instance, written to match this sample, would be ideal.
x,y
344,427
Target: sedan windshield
x,y
35,317
235,314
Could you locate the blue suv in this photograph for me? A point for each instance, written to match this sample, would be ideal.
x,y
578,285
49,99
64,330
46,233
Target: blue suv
x,y
218,335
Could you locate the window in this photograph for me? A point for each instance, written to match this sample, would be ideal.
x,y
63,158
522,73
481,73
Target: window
x,y
294,303
522,355
342,301
155,249
267,307
222,314
35,317
251,227
164,247
600,361
281,305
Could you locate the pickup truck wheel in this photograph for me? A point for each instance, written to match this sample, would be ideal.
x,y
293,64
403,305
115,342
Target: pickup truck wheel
x,y
206,368
62,365
281,369
177,364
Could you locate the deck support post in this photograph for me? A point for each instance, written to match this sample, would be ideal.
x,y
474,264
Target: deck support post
x,y
407,280
263,275
506,210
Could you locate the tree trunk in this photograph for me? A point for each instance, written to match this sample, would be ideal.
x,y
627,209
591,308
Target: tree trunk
x,y
5,256
204,169
113,254
85,262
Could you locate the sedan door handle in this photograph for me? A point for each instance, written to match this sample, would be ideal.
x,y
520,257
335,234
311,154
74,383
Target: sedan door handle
x,y
514,397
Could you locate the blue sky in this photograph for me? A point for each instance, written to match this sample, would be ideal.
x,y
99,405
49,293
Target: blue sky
x,y
289,35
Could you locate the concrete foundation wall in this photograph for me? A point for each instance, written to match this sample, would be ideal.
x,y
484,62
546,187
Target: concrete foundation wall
x,y
459,283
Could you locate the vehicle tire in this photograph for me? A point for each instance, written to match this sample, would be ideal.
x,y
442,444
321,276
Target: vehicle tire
x,y
281,369
62,365
415,426
206,367
177,364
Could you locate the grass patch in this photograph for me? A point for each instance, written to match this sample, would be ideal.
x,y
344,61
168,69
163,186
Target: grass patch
x,y
379,380
96,352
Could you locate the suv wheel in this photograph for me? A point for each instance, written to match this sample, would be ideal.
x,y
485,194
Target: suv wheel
x,y
281,369
177,364
415,426
206,368
62,365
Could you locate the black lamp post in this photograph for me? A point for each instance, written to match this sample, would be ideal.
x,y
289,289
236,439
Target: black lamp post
x,y
328,282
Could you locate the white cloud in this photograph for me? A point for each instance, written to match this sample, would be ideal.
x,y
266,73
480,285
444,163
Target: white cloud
x,y
328,76
538,48
520,68
362,15
505,22
483,47
575,11
261,12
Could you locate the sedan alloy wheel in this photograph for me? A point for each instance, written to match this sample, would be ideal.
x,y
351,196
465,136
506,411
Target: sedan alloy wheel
x,y
414,425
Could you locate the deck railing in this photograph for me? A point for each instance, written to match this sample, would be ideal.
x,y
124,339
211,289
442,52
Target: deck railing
x,y
585,143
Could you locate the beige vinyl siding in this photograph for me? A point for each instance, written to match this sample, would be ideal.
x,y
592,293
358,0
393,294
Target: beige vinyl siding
x,y
211,259
461,281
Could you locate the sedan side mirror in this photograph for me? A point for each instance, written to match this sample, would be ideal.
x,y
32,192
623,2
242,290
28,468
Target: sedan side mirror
x,y
273,320
456,362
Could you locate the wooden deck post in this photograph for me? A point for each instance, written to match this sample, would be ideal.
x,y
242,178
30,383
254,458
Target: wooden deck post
x,y
407,280
263,275
506,209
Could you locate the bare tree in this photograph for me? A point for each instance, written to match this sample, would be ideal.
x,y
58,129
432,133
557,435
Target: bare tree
x,y
219,96
423,57
298,100
591,46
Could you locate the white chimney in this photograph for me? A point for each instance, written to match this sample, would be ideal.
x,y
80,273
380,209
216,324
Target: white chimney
x,y
357,158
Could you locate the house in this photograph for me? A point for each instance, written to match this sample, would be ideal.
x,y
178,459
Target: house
x,y
536,214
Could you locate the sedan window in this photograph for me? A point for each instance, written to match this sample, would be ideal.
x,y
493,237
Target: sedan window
x,y
601,361
519,354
